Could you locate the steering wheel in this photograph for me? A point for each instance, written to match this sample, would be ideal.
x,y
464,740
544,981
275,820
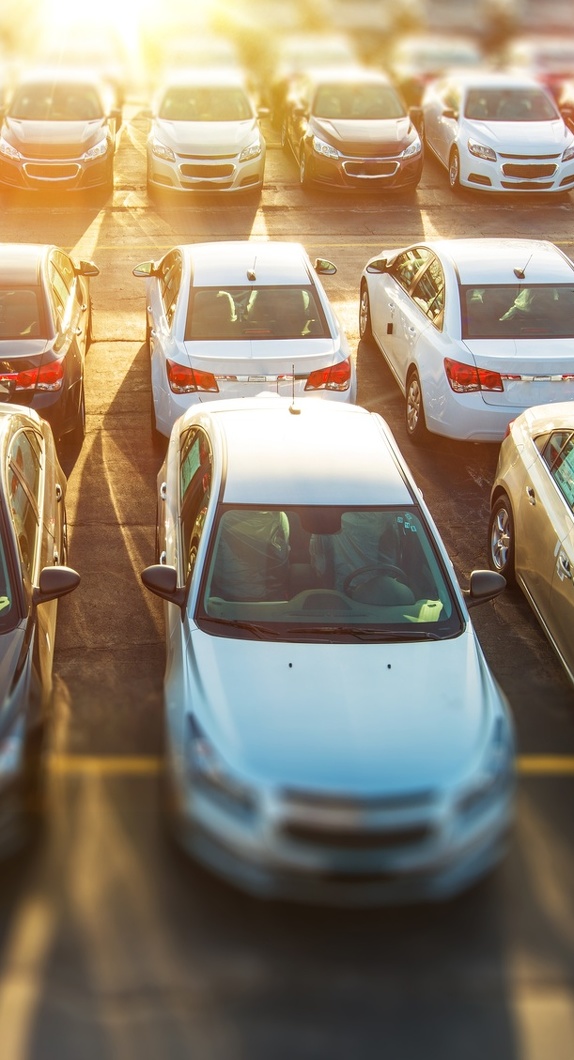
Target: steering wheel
x,y
374,568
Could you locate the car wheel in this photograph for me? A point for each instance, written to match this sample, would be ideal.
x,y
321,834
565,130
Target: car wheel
x,y
501,538
414,409
454,170
305,172
365,329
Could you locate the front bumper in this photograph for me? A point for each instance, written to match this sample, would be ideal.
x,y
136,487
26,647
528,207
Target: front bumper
x,y
45,174
525,175
366,174
225,174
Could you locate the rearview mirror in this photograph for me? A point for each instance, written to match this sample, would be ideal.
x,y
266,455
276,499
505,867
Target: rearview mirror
x,y
378,265
146,269
324,267
53,583
484,585
162,580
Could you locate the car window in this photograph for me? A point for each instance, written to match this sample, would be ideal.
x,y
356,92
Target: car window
x,y
47,101
23,476
428,292
255,313
357,102
20,313
169,283
516,311
298,572
558,454
509,104
195,484
8,608
407,265
205,103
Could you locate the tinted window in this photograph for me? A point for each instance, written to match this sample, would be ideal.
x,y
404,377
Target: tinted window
x,y
20,313
357,101
47,101
255,313
558,454
408,264
211,103
428,292
23,476
509,104
515,311
195,485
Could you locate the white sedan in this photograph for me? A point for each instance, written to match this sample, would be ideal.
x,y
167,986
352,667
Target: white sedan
x,y
531,529
333,731
231,319
498,132
474,331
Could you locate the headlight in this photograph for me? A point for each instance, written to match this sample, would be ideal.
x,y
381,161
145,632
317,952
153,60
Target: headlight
x,y
251,151
208,773
569,153
161,151
8,150
481,151
323,148
496,775
96,151
413,149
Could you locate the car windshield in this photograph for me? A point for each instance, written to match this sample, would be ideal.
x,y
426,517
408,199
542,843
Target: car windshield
x,y
515,311
201,103
357,101
20,314
325,573
56,102
509,104
255,313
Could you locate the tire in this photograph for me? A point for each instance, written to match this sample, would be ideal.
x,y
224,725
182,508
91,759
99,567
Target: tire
x,y
454,170
501,540
365,328
305,173
414,409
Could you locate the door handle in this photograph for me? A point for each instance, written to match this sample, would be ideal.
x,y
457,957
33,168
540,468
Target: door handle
x,y
564,569
531,495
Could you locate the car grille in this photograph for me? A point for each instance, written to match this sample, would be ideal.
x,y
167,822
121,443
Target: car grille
x,y
526,185
512,169
361,824
55,171
359,839
369,168
217,172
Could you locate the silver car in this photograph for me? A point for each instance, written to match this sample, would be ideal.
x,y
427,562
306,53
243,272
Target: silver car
x,y
531,530
205,134
333,731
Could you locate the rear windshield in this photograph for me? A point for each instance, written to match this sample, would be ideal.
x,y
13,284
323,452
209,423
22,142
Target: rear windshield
x,y
20,313
513,311
255,313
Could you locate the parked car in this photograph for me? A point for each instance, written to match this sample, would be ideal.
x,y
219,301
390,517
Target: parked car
x,y
348,128
498,132
531,528
205,134
33,575
414,60
298,53
333,732
58,133
45,332
230,319
547,57
473,330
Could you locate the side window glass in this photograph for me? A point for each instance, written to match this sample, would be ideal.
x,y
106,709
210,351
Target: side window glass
x,y
429,292
24,466
195,486
408,264
559,455
169,284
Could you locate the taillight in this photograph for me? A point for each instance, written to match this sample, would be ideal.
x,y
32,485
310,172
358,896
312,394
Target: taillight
x,y
46,377
336,378
185,380
465,378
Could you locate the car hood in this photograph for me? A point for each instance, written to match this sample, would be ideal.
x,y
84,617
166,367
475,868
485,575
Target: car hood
x,y
394,134
203,137
53,134
530,138
346,717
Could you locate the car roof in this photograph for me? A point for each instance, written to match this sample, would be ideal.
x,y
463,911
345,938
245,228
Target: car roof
x,y
347,75
20,263
492,260
313,452
219,76
480,78
228,262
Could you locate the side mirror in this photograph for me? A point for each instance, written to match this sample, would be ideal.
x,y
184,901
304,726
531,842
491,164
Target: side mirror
x,y
378,265
54,582
448,112
146,269
162,580
324,267
87,268
484,585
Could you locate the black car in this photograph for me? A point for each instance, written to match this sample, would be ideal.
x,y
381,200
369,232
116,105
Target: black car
x,y
59,132
351,129
45,331
33,574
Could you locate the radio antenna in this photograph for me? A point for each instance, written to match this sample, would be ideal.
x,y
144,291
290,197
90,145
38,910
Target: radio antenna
x,y
292,407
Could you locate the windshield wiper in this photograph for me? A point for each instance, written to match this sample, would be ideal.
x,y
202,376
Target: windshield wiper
x,y
364,633
236,623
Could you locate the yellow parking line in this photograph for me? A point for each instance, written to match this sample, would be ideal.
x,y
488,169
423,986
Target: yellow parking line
x,y
152,765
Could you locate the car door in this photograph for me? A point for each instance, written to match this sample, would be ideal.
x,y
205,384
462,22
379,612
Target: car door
x,y
405,318
297,110
72,340
447,121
